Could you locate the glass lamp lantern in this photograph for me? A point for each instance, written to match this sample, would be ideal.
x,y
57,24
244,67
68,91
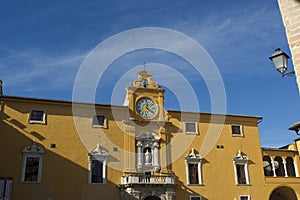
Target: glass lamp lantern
x,y
280,60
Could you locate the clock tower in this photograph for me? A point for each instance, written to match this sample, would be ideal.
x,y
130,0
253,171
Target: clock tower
x,y
145,126
146,155
145,99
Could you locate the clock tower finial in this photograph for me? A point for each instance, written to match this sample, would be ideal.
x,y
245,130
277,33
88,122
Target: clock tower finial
x,y
145,80
144,98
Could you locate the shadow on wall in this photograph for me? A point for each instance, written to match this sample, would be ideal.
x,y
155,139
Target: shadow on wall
x,y
61,177
187,191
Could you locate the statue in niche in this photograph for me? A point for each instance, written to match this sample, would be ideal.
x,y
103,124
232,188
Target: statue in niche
x,y
148,157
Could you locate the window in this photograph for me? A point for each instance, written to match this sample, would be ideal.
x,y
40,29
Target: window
x,y
195,198
193,173
5,188
193,168
240,162
241,175
97,171
245,197
32,168
37,116
32,163
99,121
236,130
191,128
97,166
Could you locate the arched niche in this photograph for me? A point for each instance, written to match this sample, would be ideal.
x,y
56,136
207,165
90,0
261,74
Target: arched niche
x,y
147,149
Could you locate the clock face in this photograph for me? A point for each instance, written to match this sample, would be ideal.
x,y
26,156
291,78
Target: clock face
x,y
146,108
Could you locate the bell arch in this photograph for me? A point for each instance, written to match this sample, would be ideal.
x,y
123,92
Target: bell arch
x,y
283,193
268,167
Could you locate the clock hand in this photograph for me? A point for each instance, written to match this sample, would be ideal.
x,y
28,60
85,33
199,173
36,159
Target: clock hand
x,y
150,109
145,108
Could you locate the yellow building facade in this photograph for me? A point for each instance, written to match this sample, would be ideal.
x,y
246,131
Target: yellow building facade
x,y
58,150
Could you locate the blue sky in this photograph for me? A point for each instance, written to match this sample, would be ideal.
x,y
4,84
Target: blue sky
x,y
43,44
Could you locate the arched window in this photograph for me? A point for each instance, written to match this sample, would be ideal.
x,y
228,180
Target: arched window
x,y
290,167
279,168
268,171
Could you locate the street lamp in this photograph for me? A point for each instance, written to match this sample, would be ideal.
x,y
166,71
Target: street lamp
x,y
295,127
280,61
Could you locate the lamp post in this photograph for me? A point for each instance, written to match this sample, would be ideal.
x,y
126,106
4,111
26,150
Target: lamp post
x,y
280,61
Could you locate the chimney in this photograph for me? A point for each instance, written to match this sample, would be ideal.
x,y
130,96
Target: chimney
x,y
1,91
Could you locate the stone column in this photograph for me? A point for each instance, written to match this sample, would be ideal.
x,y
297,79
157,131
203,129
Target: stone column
x,y
139,155
156,156
296,169
273,166
129,146
284,166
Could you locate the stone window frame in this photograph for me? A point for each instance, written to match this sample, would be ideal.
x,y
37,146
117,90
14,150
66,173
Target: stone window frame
x,y
194,158
241,160
196,132
100,155
35,152
241,132
35,121
243,196
196,196
6,188
95,121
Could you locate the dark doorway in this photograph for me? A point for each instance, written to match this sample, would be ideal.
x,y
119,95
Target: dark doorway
x,y
283,193
152,198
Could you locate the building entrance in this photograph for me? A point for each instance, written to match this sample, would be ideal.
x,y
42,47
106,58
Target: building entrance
x,y
283,193
152,198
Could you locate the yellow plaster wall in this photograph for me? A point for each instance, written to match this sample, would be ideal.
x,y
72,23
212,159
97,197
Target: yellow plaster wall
x,y
217,166
65,168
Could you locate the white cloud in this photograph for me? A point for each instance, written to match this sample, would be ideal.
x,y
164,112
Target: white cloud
x,y
33,69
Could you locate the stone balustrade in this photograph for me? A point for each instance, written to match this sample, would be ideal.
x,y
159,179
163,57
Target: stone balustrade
x,y
147,179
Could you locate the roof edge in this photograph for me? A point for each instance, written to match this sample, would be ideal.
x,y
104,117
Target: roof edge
x,y
118,106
